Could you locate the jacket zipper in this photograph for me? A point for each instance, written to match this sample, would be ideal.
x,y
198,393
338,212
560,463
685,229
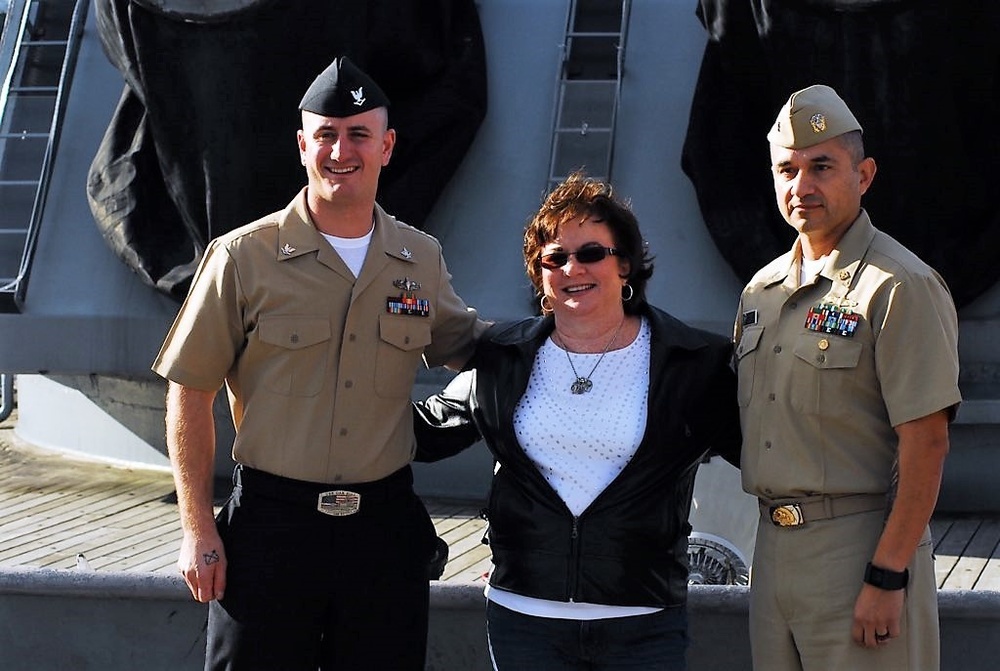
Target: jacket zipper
x,y
574,558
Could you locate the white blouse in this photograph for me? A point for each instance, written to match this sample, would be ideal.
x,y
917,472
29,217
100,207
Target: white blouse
x,y
581,442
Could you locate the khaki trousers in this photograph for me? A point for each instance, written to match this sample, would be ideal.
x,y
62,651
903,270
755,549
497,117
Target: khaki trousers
x,y
804,583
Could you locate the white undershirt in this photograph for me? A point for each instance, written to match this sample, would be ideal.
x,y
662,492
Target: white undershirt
x,y
352,250
581,442
810,268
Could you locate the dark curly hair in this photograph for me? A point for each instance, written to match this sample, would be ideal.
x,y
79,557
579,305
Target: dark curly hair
x,y
579,197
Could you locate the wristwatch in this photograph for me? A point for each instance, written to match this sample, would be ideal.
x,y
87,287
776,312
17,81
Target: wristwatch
x,y
885,579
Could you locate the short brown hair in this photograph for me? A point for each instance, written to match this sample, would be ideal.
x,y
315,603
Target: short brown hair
x,y
579,197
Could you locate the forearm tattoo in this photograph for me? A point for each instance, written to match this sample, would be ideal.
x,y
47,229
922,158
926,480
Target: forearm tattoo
x,y
211,557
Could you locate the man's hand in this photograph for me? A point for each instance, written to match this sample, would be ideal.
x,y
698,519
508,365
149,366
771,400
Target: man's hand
x,y
202,562
876,616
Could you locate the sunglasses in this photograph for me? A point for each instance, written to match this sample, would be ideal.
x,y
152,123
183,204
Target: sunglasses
x,y
593,254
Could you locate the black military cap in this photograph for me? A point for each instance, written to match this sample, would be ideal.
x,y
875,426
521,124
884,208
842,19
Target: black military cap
x,y
342,90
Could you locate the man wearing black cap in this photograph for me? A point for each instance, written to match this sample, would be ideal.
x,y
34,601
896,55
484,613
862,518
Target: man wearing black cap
x,y
848,377
316,319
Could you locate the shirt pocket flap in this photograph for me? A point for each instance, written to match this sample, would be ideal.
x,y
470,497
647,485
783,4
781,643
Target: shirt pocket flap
x,y
828,352
749,341
404,332
294,332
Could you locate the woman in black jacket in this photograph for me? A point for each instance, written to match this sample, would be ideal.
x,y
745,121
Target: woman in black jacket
x,y
597,413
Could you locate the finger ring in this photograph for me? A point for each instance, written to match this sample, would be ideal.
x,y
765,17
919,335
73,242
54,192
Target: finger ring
x,y
882,637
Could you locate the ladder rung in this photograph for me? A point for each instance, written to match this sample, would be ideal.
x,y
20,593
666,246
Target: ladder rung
x,y
593,34
588,82
34,89
18,182
13,231
45,43
24,135
579,130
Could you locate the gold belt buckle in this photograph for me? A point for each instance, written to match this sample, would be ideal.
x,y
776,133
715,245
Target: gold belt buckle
x,y
788,515
338,503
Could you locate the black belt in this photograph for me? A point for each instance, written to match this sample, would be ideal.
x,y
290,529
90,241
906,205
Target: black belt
x,y
337,500
795,512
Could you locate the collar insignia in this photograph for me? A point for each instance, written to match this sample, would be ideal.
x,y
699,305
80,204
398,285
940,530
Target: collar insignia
x,y
406,253
287,250
359,96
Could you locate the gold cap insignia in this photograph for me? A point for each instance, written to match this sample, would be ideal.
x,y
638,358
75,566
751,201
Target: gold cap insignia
x,y
818,122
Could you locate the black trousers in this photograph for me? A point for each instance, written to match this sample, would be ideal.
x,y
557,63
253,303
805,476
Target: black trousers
x,y
307,591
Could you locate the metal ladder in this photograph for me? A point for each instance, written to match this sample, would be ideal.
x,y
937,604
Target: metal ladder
x,y
588,89
38,49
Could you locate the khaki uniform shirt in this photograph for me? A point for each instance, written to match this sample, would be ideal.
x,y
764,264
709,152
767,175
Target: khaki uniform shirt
x,y
818,406
319,366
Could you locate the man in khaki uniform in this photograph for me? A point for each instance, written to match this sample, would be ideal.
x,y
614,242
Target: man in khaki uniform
x,y
316,319
848,378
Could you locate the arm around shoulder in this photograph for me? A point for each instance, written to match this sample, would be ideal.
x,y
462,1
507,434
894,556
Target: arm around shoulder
x,y
443,423
722,412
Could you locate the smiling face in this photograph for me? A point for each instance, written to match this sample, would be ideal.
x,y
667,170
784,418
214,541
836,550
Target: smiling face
x,y
584,290
344,156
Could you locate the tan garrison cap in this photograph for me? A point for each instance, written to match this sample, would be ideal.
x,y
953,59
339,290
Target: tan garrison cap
x,y
811,116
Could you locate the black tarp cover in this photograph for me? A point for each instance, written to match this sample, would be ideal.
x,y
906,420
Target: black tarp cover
x,y
922,76
203,139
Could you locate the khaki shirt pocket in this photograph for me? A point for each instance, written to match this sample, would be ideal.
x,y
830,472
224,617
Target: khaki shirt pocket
x,y
402,339
827,366
296,364
746,361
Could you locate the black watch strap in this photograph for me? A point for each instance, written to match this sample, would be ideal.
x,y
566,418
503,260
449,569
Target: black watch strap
x,y
885,579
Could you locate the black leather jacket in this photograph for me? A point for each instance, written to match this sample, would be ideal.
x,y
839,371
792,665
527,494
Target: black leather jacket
x,y
629,547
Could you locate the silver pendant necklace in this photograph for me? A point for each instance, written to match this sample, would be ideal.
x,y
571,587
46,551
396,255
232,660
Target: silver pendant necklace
x,y
582,385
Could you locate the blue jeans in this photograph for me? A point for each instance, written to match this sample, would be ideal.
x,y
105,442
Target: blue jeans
x,y
642,642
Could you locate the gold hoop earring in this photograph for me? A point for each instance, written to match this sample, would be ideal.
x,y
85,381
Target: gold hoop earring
x,y
631,293
541,303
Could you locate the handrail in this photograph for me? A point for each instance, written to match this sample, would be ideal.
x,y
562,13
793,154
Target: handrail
x,y
15,37
6,395
65,77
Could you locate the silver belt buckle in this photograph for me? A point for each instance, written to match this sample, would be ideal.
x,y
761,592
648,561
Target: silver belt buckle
x,y
338,503
788,515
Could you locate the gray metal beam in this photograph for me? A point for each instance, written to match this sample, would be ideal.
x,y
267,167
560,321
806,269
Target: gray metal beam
x,y
111,620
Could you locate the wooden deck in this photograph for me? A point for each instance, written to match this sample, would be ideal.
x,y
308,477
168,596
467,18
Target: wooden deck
x,y
968,552
55,508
